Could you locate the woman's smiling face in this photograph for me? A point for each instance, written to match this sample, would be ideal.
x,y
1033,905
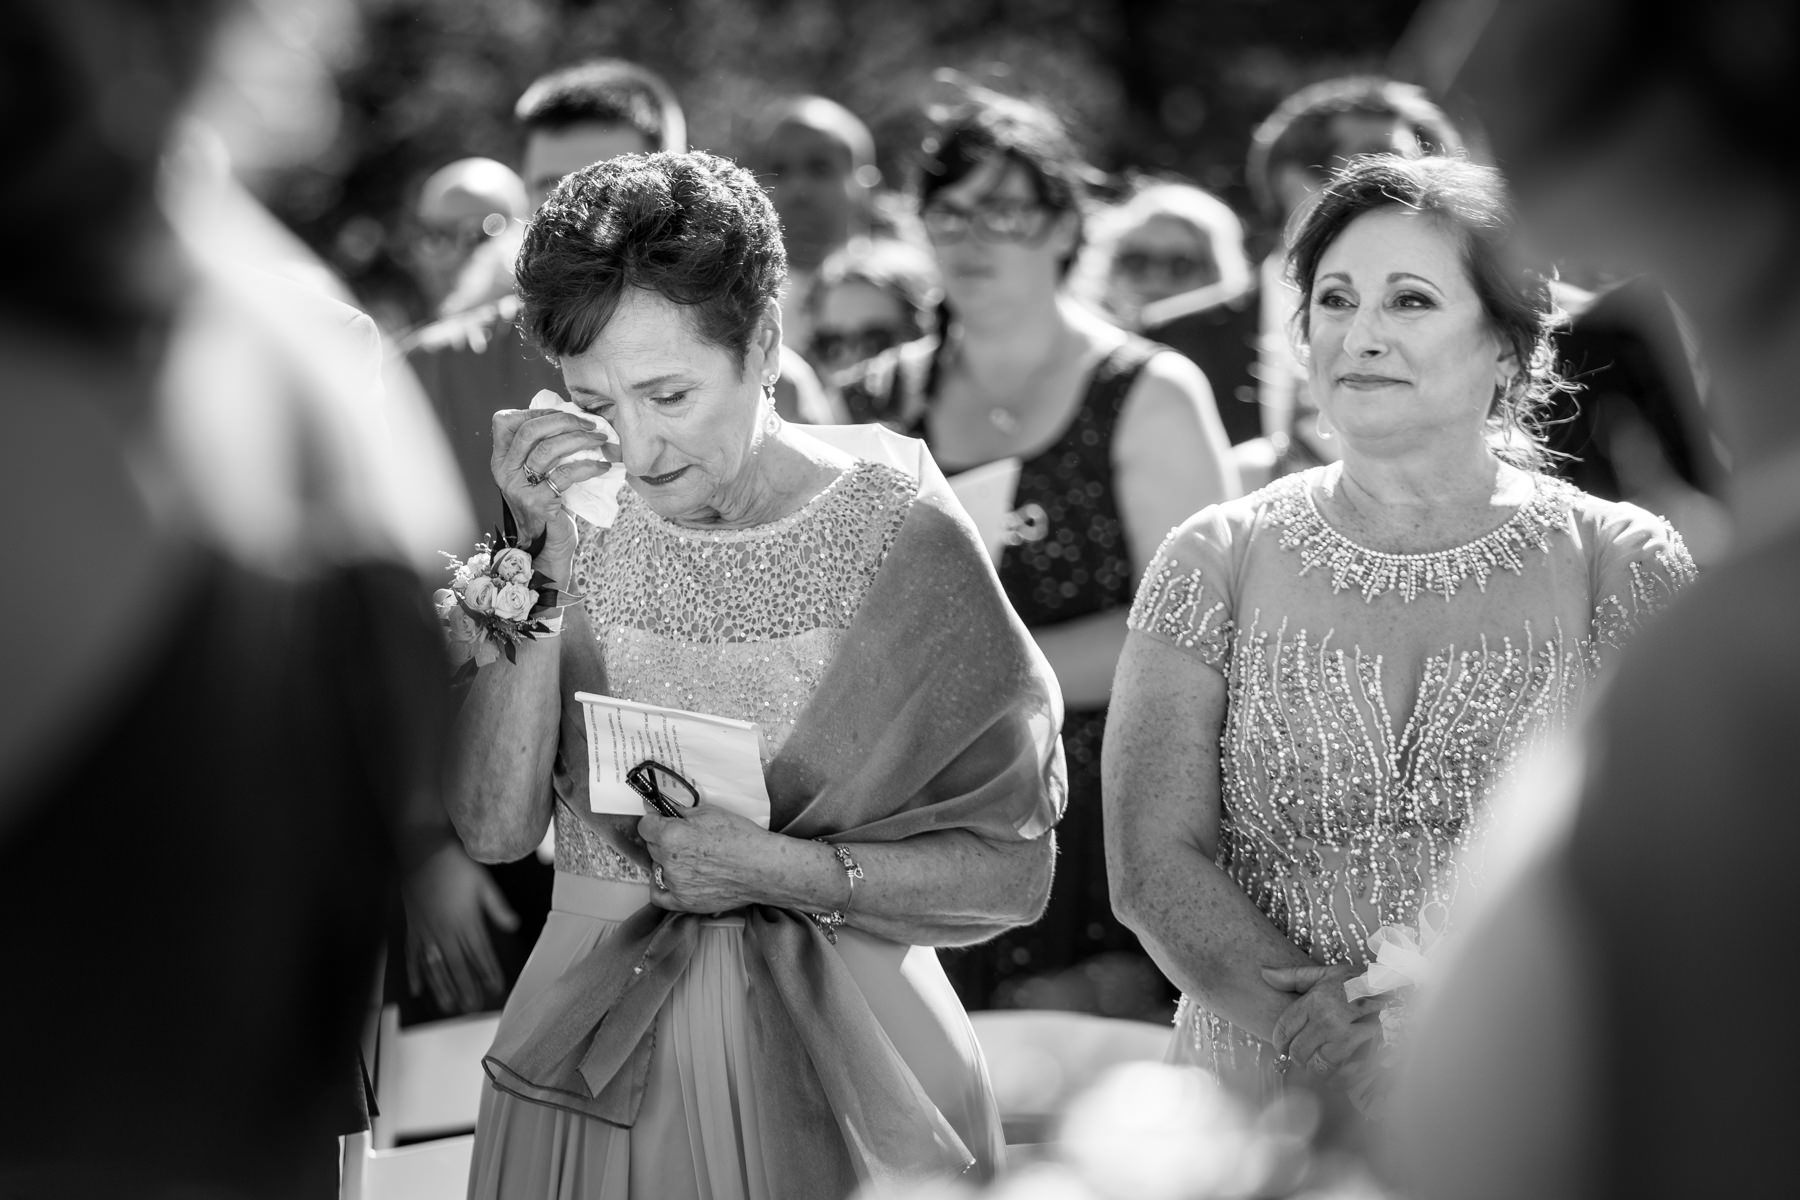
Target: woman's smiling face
x,y
689,420
1401,350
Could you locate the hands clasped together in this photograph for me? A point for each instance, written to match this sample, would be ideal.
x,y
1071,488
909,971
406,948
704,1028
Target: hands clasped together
x,y
1327,1033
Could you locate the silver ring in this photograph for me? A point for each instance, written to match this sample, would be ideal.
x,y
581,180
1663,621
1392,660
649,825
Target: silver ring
x,y
551,484
532,477
656,874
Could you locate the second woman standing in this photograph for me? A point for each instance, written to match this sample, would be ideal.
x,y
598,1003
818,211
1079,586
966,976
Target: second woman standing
x,y
1117,441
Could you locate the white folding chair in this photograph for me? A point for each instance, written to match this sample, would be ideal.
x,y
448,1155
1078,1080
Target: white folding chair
x,y
428,1090
1038,1059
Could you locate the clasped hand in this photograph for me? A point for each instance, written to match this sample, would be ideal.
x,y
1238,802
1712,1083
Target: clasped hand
x,y
707,858
1322,1030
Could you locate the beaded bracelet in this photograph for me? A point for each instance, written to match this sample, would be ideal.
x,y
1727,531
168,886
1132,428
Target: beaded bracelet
x,y
831,921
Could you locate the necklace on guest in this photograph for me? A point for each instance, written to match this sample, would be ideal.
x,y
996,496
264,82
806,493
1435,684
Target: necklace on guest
x,y
1003,416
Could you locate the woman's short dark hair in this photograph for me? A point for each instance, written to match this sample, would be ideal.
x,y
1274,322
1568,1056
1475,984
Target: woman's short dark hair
x,y
1472,201
986,125
694,228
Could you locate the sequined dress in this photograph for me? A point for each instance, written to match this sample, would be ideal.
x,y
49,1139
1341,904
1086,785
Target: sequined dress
x,y
740,623
1375,700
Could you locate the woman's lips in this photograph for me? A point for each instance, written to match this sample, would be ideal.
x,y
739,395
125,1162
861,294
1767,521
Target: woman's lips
x,y
1369,383
659,480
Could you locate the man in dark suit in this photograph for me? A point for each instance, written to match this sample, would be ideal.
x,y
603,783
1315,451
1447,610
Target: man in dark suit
x,y
1618,1026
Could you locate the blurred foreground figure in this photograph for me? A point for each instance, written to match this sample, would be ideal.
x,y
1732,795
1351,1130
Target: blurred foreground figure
x,y
1609,1033
227,696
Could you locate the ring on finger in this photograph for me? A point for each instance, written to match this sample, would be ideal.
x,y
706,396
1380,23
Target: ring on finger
x,y
657,875
551,484
532,477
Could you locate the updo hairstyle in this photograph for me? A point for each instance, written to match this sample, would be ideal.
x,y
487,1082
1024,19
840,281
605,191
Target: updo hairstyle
x,y
693,228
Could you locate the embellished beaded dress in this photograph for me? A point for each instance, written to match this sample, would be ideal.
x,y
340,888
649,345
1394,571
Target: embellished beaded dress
x,y
741,623
1374,701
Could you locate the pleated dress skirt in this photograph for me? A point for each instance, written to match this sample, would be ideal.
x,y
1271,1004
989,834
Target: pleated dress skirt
x,y
699,1135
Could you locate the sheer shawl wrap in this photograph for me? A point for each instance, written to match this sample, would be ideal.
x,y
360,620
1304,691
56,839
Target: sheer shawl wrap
x,y
938,713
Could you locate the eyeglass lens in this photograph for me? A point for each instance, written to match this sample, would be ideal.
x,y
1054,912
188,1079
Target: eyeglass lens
x,y
853,345
651,780
1175,266
1018,221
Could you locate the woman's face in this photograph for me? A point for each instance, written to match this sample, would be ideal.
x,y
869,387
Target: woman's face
x,y
996,244
855,320
689,420
1401,352
1161,257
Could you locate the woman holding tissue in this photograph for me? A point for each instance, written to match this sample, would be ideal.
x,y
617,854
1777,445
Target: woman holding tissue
x,y
718,1007
1327,680
1114,441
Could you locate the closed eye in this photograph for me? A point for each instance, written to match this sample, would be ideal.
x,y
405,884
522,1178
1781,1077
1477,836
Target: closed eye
x,y
670,399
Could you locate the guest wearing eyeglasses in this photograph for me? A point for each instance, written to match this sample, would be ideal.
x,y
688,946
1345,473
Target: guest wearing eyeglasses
x,y
867,298
1115,437
1166,240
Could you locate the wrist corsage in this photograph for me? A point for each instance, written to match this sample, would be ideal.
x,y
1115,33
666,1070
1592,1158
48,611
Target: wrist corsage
x,y
496,599
1399,962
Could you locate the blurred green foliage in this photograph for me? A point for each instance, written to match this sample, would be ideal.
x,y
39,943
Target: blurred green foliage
x,y
1152,85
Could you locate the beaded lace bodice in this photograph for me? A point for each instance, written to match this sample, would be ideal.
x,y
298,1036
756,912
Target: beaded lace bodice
x,y
1373,700
740,623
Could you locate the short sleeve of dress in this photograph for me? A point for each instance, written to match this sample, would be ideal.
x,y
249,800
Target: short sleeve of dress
x,y
1640,565
1184,599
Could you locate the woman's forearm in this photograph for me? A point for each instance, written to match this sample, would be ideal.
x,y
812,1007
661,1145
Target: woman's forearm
x,y
1084,653
504,748
1206,935
948,888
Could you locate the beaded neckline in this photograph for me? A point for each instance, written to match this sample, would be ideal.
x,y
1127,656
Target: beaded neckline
x,y
750,532
1375,572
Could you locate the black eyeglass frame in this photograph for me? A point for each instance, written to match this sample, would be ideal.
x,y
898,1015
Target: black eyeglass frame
x,y
946,224
642,780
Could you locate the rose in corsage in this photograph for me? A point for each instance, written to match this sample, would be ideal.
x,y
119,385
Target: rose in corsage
x,y
513,601
512,565
497,599
479,594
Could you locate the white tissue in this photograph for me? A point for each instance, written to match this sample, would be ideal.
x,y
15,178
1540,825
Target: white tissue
x,y
596,500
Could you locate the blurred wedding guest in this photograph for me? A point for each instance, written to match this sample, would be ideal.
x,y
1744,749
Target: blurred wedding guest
x,y
733,1000
1569,1055
1637,429
1115,440
464,237
1243,338
866,298
1326,680
479,361
1167,239
205,773
817,159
